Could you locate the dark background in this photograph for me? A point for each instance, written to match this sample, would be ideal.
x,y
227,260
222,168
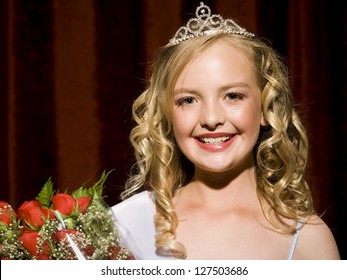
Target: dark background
x,y
70,70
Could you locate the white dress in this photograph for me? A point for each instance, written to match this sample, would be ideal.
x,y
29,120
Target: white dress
x,y
134,219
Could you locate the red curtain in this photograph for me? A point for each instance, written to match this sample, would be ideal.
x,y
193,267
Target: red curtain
x,y
70,70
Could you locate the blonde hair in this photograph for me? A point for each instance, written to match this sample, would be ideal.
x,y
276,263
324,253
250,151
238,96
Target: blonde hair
x,y
281,153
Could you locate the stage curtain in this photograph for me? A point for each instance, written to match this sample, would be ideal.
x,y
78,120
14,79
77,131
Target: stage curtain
x,y
70,71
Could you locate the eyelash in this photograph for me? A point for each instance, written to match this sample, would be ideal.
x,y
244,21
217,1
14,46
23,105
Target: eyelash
x,y
185,101
234,96
189,99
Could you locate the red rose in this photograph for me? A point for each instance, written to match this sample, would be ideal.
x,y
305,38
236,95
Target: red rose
x,y
64,203
44,256
113,253
32,213
29,241
5,212
89,250
61,234
83,203
48,213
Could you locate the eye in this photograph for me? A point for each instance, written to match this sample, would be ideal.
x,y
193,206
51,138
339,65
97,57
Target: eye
x,y
185,101
232,96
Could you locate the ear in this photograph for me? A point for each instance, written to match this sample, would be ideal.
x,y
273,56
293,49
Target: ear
x,y
263,121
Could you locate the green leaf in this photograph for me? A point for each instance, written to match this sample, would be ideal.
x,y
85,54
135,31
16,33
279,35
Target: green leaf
x,y
95,191
46,194
81,191
98,187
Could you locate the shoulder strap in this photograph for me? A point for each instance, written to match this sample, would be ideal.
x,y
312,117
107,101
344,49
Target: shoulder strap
x,y
294,240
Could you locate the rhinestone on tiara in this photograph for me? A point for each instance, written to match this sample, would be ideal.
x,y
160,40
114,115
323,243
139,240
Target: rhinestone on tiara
x,y
207,24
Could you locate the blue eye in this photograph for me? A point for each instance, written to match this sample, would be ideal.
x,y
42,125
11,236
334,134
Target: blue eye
x,y
185,101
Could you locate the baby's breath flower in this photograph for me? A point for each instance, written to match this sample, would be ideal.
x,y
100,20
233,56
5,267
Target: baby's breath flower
x,y
89,235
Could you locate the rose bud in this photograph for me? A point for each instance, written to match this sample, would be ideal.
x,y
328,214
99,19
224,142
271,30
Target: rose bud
x,y
89,250
44,252
44,256
113,252
29,240
61,234
5,212
32,213
64,203
83,203
48,213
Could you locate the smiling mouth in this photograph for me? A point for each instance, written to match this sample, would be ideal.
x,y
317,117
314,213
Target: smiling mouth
x,y
216,140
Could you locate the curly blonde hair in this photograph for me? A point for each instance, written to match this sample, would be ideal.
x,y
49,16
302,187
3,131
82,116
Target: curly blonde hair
x,y
281,152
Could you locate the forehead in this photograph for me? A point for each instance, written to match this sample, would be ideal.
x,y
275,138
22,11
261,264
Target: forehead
x,y
227,49
220,59
223,43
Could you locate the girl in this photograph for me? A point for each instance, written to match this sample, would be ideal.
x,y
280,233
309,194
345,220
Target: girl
x,y
221,154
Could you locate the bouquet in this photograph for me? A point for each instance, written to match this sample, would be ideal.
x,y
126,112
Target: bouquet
x,y
60,226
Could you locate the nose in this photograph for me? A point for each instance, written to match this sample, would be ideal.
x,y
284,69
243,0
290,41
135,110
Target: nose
x,y
212,116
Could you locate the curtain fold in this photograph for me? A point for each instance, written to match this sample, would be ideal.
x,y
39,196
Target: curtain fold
x,y
70,71
28,100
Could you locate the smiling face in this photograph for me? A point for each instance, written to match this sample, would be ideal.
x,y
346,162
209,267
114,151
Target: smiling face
x,y
216,113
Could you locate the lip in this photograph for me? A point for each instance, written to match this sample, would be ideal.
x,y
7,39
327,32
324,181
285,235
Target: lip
x,y
215,135
215,147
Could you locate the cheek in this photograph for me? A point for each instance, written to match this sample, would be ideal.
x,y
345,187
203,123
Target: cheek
x,y
178,125
183,124
247,117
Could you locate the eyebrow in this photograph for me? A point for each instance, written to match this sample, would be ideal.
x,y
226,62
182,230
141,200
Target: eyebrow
x,y
226,87
185,90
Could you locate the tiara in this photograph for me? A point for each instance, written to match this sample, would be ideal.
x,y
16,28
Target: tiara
x,y
207,24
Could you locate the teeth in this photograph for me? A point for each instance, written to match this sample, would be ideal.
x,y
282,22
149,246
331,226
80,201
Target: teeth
x,y
214,140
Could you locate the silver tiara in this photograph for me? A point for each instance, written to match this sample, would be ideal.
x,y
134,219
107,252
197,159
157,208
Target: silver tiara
x,y
207,24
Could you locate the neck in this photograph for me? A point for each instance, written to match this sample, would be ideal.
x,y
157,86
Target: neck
x,y
232,187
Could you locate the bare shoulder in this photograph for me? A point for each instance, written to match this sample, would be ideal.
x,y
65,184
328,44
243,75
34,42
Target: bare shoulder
x,y
316,241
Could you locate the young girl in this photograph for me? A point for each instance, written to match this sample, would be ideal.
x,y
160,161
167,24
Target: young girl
x,y
221,154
